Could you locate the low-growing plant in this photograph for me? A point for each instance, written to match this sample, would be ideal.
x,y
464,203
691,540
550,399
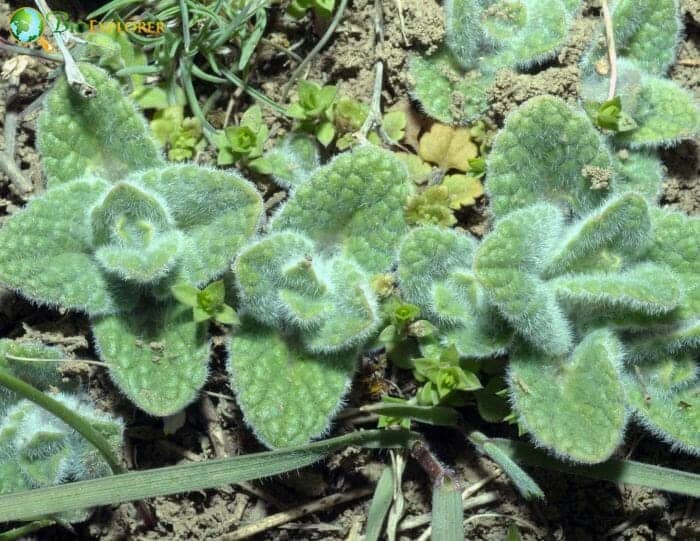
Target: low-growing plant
x,y
38,449
244,142
299,8
115,229
313,110
576,312
575,275
482,37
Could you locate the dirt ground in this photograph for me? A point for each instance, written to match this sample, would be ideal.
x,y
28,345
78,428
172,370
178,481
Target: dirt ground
x,y
576,509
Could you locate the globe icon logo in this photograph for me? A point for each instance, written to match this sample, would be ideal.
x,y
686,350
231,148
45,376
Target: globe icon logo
x,y
26,25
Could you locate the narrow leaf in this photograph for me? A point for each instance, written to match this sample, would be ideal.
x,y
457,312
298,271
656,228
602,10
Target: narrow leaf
x,y
381,502
615,470
446,521
188,477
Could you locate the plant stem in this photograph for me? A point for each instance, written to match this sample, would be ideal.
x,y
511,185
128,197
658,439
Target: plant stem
x,y
29,52
7,158
317,49
73,74
37,360
66,415
612,53
185,18
26,529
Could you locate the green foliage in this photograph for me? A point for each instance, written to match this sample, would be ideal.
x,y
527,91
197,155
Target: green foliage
x,y
444,378
492,401
157,355
573,406
183,136
355,204
291,161
38,450
313,110
435,273
445,91
138,231
295,405
504,33
282,282
664,113
560,145
646,32
111,242
208,303
618,229
309,280
610,116
447,515
243,142
103,135
667,410
509,264
640,172
482,37
299,8
41,375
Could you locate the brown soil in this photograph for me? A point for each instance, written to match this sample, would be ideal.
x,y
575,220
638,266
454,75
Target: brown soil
x,y
576,508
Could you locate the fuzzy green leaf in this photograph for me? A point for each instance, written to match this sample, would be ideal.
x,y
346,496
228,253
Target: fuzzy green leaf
x,y
281,281
676,243
665,113
214,231
435,273
639,172
618,230
445,91
354,314
296,405
646,288
428,256
673,415
261,280
645,31
355,203
574,407
51,237
38,374
157,356
291,162
545,153
39,450
134,235
105,135
508,264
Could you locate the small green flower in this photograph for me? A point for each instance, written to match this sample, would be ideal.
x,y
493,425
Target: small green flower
x,y
208,303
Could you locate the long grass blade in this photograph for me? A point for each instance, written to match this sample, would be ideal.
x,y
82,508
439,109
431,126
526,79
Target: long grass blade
x,y
183,478
616,470
381,502
446,522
